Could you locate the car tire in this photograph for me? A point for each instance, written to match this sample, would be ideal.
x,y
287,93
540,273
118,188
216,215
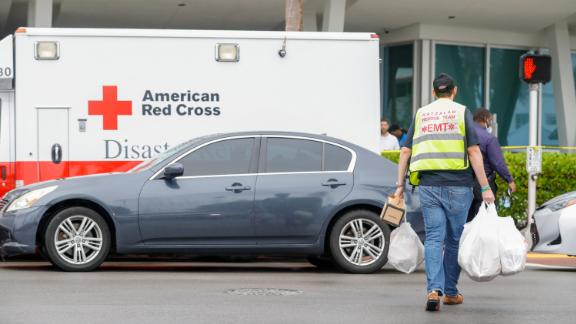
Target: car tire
x,y
372,241
77,239
321,262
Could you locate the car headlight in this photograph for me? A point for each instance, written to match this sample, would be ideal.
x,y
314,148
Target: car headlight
x,y
562,204
28,199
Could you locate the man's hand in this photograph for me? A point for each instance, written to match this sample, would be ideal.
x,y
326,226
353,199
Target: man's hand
x,y
402,166
399,193
512,186
488,196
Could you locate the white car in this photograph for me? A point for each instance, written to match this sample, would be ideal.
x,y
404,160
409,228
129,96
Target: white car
x,y
554,227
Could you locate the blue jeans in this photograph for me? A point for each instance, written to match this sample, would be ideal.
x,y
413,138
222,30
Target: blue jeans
x,y
445,210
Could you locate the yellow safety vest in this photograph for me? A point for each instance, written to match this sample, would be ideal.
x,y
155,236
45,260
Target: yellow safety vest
x,y
439,141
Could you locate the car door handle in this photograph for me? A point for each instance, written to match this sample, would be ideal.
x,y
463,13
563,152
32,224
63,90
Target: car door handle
x,y
333,183
237,187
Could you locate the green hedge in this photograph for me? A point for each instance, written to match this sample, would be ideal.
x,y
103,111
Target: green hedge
x,y
558,177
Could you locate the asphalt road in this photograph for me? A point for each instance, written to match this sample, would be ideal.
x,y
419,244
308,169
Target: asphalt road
x,y
201,292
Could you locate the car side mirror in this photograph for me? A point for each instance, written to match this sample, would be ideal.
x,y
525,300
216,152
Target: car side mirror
x,y
173,170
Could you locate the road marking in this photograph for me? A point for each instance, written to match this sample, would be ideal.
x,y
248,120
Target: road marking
x,y
548,256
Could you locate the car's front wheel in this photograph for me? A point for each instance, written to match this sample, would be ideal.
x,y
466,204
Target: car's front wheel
x,y
77,239
359,242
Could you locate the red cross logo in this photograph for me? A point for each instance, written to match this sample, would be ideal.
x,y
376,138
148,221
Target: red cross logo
x,y
110,107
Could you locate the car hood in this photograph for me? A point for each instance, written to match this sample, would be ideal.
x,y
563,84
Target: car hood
x,y
80,182
563,197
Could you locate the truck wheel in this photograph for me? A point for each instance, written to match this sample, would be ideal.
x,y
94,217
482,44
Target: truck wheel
x,y
359,242
77,239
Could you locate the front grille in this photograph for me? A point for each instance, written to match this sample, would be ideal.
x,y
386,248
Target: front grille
x,y
3,204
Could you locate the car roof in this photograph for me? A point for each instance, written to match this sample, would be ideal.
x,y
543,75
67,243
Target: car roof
x,y
200,140
279,133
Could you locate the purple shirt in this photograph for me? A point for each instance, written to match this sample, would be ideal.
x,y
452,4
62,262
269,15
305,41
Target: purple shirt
x,y
492,154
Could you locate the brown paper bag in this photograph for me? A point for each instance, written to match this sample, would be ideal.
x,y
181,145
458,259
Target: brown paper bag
x,y
393,211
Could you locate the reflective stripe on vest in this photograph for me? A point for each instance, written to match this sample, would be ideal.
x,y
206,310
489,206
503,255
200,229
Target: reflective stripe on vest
x,y
439,138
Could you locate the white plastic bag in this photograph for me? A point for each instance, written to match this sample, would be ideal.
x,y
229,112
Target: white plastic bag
x,y
479,254
512,247
406,251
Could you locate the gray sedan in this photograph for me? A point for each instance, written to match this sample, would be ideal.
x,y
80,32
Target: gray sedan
x,y
250,193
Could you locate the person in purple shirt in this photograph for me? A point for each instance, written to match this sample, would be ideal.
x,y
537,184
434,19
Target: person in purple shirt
x,y
493,159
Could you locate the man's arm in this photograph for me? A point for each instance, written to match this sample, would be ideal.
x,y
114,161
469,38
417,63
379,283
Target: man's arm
x,y
475,157
402,168
497,162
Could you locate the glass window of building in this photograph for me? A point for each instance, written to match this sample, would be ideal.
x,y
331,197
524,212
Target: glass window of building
x,y
549,126
510,102
397,76
466,65
574,68
508,96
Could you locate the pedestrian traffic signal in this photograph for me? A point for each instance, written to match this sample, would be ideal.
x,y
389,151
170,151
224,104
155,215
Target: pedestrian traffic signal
x,y
535,68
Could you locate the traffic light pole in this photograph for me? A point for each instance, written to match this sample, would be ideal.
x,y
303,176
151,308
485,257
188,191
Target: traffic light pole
x,y
534,70
532,152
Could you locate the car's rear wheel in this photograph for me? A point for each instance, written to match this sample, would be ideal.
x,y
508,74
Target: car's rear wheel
x,y
77,239
359,242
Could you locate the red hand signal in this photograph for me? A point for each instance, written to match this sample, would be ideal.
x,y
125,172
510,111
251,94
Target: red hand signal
x,y
529,68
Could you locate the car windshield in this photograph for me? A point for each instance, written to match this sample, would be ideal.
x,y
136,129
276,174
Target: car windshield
x,y
152,162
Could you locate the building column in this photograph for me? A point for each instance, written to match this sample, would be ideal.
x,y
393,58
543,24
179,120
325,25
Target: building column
x,y
424,54
334,15
563,82
40,13
310,20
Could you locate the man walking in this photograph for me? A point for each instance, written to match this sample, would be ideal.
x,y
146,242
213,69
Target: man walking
x,y
492,157
441,145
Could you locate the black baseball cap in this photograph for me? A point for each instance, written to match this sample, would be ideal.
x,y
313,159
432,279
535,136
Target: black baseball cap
x,y
443,83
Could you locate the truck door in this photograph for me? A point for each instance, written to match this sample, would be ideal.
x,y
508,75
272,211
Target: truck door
x,y
53,146
6,158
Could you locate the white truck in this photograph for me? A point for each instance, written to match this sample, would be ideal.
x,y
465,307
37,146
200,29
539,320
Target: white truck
x,y
82,101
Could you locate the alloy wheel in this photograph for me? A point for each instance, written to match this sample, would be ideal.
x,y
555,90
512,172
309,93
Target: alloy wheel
x,y
361,242
78,239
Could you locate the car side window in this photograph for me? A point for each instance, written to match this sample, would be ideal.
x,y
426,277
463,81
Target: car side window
x,y
293,155
224,157
336,158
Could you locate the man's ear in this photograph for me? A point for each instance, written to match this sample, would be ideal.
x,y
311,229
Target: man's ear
x,y
454,92
433,93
